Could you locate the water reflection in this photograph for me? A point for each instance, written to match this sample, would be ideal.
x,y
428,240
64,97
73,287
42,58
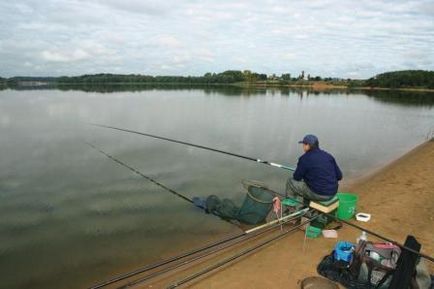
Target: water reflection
x,y
389,96
404,98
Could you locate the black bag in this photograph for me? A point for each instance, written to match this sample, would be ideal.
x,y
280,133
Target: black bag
x,y
367,271
375,263
335,270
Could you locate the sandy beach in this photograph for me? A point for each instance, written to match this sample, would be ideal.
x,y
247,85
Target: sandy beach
x,y
400,199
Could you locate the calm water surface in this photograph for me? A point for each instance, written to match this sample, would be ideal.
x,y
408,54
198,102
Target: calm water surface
x,y
70,217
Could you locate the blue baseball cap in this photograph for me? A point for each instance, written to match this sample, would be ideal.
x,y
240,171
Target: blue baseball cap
x,y
309,139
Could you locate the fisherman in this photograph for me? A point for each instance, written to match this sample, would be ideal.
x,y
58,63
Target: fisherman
x,y
317,174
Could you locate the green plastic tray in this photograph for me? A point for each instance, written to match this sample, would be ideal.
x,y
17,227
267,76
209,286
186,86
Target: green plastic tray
x,y
312,232
289,202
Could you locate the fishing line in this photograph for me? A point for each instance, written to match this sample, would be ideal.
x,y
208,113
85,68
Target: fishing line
x,y
198,146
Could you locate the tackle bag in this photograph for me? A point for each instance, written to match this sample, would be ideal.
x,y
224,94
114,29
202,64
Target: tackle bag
x,y
375,263
372,267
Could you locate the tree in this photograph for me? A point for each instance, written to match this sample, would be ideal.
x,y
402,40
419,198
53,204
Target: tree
x,y
286,76
302,75
261,76
405,78
249,76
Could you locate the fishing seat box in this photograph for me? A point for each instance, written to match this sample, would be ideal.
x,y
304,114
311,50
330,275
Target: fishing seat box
x,y
325,206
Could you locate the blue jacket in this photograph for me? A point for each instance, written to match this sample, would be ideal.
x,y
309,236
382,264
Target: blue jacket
x,y
320,171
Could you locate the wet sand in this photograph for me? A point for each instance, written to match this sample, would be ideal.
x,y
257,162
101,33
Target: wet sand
x,y
400,198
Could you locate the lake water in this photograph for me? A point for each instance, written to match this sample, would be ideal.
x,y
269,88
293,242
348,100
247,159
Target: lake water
x,y
70,217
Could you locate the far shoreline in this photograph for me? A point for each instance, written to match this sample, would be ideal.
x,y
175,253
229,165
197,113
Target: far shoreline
x,y
318,86
401,80
324,86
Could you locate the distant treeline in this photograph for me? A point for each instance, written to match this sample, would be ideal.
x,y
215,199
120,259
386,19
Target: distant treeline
x,y
3,83
397,79
402,79
230,76
226,77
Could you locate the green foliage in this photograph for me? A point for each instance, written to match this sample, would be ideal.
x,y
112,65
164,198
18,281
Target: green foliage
x,y
402,97
229,76
3,83
397,79
286,76
356,83
401,79
261,76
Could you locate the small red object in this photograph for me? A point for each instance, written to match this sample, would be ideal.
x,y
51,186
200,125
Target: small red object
x,y
276,205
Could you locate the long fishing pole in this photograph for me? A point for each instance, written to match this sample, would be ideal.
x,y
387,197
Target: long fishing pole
x,y
199,146
165,262
202,251
140,174
215,249
150,179
238,255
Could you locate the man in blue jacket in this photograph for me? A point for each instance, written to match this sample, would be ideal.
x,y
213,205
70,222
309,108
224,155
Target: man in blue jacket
x,y
317,174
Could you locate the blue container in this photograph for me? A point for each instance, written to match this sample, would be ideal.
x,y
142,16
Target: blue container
x,y
344,251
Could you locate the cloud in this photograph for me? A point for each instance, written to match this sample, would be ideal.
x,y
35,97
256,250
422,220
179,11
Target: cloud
x,y
65,56
205,55
167,41
149,7
322,37
288,56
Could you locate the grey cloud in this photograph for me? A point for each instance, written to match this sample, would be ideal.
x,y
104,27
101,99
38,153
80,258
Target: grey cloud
x,y
350,38
151,8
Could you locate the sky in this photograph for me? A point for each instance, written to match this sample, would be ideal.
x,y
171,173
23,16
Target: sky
x,y
346,38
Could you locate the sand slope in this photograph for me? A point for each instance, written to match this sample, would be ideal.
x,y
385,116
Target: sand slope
x,y
400,198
